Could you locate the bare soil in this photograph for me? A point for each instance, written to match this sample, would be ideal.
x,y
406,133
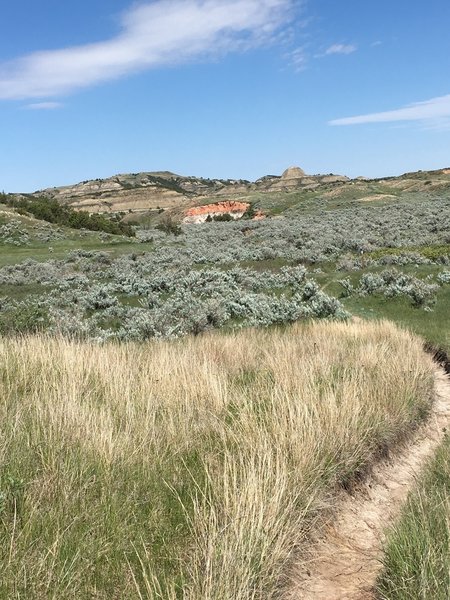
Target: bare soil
x,y
345,559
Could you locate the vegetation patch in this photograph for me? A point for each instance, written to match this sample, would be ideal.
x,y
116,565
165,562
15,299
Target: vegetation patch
x,y
189,469
50,210
417,553
439,252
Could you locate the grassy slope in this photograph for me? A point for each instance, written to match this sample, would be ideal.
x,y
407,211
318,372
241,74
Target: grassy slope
x,y
432,326
188,469
71,239
61,248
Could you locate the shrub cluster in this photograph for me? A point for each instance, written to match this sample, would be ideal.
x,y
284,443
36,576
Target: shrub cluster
x,y
231,273
391,284
50,210
138,297
12,232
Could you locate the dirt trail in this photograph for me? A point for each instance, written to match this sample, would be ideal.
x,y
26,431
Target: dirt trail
x,y
344,563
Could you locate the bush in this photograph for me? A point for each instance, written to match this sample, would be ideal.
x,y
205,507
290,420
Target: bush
x,y
392,283
169,226
444,277
24,318
226,217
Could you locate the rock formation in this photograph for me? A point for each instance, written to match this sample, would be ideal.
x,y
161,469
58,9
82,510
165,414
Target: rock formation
x,y
291,179
199,214
293,173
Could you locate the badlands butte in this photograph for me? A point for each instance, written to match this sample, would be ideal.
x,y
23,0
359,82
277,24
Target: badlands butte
x,y
192,199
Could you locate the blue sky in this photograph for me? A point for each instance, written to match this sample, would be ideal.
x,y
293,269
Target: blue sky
x,y
221,88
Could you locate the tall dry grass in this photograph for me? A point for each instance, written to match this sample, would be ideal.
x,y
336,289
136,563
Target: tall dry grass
x,y
190,469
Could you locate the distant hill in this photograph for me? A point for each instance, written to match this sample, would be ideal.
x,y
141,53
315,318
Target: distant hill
x,y
152,191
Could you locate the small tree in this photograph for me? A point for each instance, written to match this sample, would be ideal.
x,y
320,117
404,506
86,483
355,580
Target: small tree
x,y
250,213
169,226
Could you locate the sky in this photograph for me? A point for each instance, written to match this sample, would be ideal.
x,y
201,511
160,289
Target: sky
x,y
221,88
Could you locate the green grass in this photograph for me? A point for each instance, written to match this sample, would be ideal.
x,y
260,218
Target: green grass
x,y
431,252
330,197
433,326
10,255
417,555
22,292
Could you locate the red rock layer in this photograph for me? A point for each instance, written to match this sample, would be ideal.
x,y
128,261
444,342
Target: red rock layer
x,y
219,208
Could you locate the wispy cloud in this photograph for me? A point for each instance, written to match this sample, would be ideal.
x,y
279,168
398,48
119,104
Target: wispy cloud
x,y
430,111
154,34
43,106
340,49
298,59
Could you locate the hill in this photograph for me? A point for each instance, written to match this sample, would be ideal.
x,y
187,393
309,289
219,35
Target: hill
x,y
144,192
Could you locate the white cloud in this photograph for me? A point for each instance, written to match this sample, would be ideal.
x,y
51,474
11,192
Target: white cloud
x,y
43,106
298,59
340,49
154,34
430,110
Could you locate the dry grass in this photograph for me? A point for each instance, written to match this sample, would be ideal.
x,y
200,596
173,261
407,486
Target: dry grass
x,y
190,469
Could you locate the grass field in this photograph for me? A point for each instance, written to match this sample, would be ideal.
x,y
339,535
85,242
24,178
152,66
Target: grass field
x,y
60,249
189,469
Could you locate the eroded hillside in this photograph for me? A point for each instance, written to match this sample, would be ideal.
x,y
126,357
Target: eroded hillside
x,y
146,194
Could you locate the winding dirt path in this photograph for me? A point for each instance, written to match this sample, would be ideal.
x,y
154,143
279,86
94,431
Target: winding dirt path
x,y
344,562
